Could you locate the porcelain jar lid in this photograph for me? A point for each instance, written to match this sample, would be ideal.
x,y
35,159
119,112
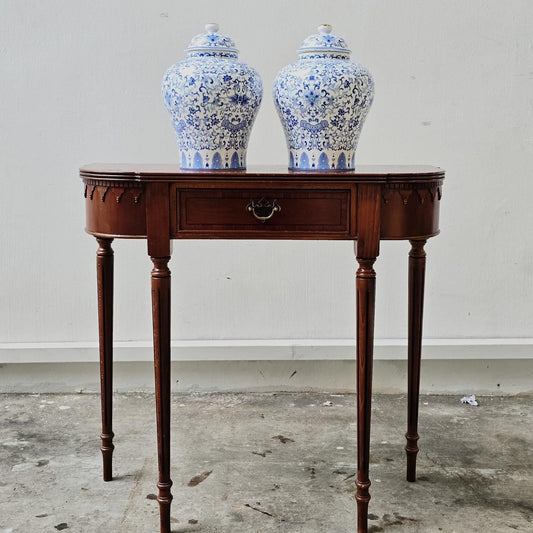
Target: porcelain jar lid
x,y
324,42
212,43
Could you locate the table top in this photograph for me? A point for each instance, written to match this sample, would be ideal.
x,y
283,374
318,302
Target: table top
x,y
165,172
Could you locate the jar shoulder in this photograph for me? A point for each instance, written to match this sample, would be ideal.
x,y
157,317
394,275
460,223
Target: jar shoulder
x,y
324,67
211,66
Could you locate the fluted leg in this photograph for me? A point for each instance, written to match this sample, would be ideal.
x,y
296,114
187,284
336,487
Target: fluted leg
x,y
365,288
417,267
161,325
367,250
104,267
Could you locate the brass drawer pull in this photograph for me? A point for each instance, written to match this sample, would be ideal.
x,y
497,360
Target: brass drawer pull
x,y
263,210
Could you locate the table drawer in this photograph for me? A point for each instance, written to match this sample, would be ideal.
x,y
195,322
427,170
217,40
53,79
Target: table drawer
x,y
256,213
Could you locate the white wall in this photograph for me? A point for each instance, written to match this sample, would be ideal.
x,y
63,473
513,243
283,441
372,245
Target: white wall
x,y
81,83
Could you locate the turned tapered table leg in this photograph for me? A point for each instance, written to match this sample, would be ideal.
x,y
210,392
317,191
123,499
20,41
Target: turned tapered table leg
x,y
161,325
365,288
417,267
367,250
104,267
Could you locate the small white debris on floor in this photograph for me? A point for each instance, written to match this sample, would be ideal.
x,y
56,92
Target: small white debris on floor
x,y
471,400
22,467
327,404
15,443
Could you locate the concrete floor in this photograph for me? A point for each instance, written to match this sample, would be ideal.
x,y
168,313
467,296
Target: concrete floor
x,y
475,466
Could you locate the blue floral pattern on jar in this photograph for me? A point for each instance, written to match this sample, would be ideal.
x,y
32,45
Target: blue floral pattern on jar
x,y
322,101
213,100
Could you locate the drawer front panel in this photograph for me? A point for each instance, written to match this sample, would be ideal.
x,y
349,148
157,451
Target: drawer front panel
x,y
249,213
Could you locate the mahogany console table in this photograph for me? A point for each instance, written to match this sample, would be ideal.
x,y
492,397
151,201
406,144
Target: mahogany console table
x,y
161,202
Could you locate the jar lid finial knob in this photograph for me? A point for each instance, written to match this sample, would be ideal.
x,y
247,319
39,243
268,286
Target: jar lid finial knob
x,y
325,29
211,27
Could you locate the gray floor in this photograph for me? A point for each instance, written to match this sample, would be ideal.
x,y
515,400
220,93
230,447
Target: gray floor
x,y
475,466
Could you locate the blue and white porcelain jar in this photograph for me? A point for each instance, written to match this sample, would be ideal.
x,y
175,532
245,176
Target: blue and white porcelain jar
x,y
213,100
322,101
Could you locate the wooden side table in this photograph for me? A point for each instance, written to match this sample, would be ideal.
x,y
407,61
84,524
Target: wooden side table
x,y
160,203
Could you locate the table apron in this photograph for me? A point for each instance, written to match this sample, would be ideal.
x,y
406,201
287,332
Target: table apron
x,y
263,209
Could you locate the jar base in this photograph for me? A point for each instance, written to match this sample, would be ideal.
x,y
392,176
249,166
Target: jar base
x,y
213,159
315,160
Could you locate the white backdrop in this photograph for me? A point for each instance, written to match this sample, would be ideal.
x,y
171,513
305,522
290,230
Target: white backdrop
x,y
81,83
